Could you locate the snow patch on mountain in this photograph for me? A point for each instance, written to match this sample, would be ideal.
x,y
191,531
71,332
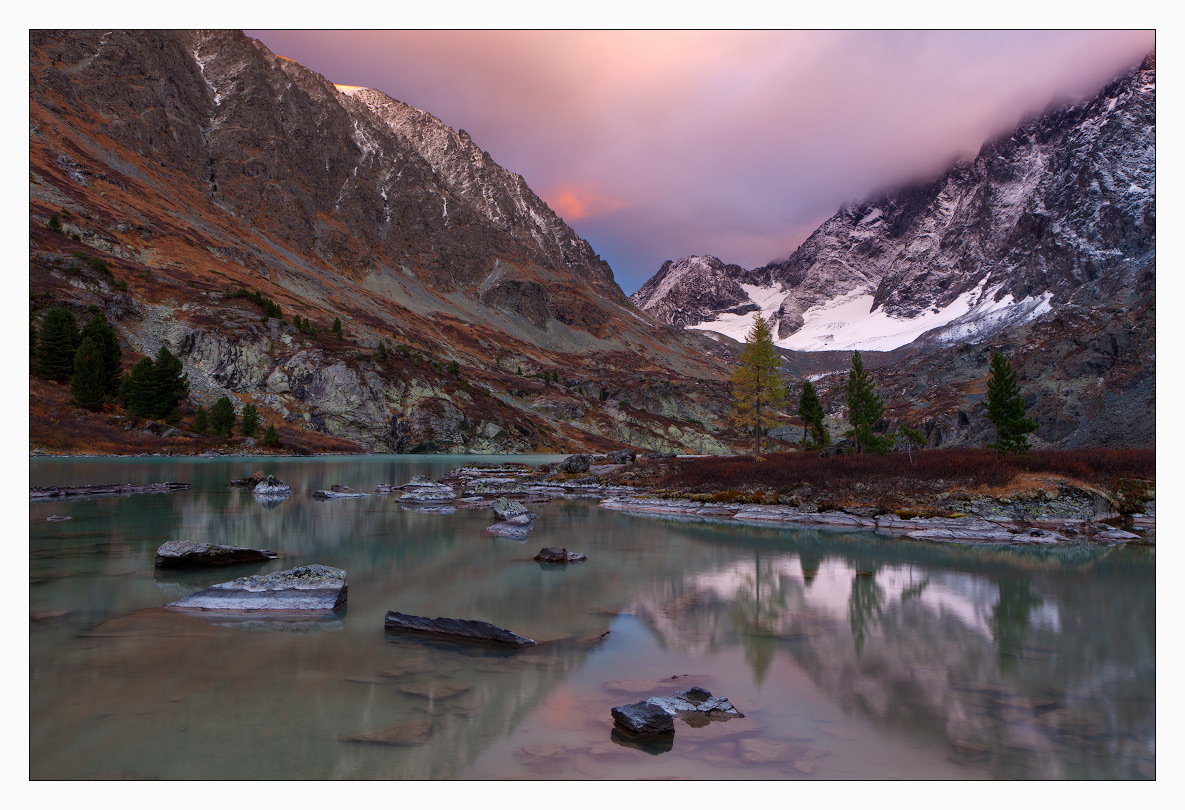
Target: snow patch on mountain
x,y
848,321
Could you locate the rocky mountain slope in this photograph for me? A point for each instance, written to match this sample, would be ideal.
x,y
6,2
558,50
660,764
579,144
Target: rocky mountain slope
x,y
1061,211
193,163
1042,247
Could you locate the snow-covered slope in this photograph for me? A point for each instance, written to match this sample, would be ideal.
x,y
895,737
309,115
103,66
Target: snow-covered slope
x,y
1061,210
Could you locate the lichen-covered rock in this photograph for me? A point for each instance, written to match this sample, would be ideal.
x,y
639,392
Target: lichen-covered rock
x,y
457,629
272,486
506,509
192,554
306,587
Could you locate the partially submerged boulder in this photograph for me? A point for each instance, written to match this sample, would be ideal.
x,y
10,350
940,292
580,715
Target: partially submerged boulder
x,y
338,491
306,587
421,489
506,508
695,706
192,554
469,630
517,527
553,554
272,486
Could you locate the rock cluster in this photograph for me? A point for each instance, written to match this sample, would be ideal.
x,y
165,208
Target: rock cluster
x,y
655,715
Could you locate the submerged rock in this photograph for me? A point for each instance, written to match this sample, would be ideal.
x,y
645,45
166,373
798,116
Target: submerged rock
x,y
192,554
555,554
307,587
518,527
272,486
456,629
59,517
338,491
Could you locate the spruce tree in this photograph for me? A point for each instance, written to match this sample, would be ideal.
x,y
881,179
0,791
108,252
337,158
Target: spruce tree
x,y
810,411
222,417
337,327
270,437
756,389
88,384
98,330
1006,408
138,391
865,409
170,384
250,420
57,342
201,420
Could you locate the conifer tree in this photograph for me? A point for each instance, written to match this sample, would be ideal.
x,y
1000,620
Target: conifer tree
x,y
337,327
1006,408
270,437
382,352
57,342
756,389
865,409
170,384
138,390
110,355
201,420
222,417
810,411
88,383
249,425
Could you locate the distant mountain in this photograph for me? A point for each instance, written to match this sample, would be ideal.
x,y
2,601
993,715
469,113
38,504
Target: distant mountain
x,y
193,163
1061,210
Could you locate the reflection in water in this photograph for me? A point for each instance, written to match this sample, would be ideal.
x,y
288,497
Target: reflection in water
x,y
854,656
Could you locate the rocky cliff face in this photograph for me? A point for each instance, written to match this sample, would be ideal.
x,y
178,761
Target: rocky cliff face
x,y
1061,211
197,162
694,289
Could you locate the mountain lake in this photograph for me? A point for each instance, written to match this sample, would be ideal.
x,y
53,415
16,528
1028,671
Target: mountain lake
x,y
852,655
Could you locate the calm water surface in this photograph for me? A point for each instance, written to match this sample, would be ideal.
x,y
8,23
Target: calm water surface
x,y
853,656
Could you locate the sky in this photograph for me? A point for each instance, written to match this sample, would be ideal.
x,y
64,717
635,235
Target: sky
x,y
655,145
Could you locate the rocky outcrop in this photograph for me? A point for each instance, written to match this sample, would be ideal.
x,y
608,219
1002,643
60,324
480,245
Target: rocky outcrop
x,y
467,630
192,554
693,289
307,587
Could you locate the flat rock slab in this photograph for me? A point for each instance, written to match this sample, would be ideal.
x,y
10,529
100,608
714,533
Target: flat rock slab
x,y
416,732
456,629
102,490
338,491
512,528
190,554
307,587
558,555
643,719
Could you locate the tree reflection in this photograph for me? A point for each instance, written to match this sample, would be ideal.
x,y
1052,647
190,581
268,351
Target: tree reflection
x,y
866,603
1010,620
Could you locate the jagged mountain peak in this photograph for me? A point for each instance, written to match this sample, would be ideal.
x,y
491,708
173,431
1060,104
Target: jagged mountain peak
x,y
692,289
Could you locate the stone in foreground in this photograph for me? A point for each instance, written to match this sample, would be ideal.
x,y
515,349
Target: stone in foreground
x,y
307,587
191,554
643,719
455,629
695,706
272,486
558,555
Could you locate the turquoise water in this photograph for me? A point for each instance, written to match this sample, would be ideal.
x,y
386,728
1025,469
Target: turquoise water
x,y
854,656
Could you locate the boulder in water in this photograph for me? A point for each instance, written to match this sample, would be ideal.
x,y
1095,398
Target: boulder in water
x,y
306,587
192,554
456,629
554,554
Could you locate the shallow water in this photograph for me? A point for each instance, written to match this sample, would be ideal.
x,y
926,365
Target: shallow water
x,y
853,656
